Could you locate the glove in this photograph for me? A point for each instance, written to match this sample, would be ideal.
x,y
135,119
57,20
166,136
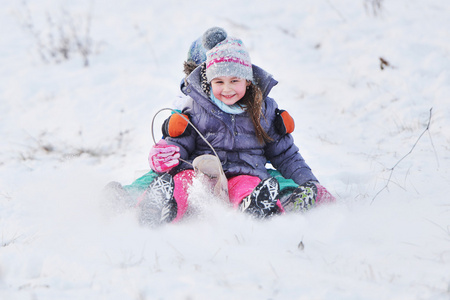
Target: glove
x,y
323,195
163,156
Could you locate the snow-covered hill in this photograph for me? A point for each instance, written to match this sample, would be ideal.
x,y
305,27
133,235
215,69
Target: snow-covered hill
x,y
362,83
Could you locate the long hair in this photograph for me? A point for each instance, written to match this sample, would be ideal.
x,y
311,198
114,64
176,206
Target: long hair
x,y
253,101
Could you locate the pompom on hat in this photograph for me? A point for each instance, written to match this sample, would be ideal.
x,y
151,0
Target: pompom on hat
x,y
225,56
213,36
197,52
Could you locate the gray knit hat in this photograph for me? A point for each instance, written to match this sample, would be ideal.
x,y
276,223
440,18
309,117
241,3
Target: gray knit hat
x,y
226,56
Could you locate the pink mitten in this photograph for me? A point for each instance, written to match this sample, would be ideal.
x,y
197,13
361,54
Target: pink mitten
x,y
323,195
163,156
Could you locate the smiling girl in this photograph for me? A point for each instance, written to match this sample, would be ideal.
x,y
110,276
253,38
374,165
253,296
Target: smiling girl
x,y
229,105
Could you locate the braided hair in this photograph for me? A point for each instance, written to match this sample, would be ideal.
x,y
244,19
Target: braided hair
x,y
204,81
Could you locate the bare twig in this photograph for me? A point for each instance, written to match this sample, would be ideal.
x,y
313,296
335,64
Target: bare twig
x,y
7,242
63,37
434,149
374,7
401,159
337,11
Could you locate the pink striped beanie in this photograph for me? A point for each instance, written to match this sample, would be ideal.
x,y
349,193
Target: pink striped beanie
x,y
226,56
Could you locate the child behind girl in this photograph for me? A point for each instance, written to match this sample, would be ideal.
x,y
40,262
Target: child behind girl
x,y
229,105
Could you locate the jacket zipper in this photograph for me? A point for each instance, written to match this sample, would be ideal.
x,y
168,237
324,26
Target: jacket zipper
x,y
233,123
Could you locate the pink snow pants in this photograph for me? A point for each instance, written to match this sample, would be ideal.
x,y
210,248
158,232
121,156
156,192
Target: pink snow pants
x,y
239,187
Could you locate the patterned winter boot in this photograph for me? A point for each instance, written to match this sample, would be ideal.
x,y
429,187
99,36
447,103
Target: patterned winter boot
x,y
303,198
262,202
157,205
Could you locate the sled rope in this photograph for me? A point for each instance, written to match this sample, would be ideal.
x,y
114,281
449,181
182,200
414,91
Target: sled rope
x,y
221,184
189,122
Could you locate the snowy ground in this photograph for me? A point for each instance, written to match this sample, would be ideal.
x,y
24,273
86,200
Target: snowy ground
x,y
67,130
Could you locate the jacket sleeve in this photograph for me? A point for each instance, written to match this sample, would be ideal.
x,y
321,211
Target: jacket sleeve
x,y
285,157
283,154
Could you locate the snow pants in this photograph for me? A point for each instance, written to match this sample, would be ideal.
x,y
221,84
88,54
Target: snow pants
x,y
137,187
239,187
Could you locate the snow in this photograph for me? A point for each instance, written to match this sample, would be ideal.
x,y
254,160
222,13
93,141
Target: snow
x,y
67,130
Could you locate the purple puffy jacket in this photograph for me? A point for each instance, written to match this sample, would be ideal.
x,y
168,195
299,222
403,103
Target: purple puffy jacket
x,y
233,136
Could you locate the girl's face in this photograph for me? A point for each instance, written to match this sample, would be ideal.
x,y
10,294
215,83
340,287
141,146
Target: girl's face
x,y
229,89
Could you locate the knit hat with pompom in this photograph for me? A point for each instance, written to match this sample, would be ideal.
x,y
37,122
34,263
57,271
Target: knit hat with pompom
x,y
225,56
197,53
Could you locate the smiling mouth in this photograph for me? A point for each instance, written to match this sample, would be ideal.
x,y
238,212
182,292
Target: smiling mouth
x,y
228,96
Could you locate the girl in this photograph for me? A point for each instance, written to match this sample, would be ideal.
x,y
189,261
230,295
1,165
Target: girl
x,y
229,105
